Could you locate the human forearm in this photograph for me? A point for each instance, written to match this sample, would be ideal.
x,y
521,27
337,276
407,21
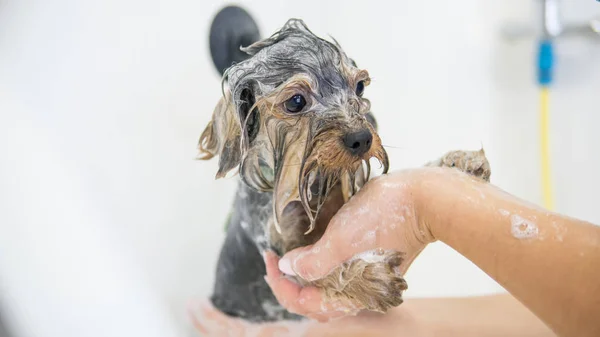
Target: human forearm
x,y
544,259
547,261
481,316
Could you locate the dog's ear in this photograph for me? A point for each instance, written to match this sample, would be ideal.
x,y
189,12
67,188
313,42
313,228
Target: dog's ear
x,y
222,137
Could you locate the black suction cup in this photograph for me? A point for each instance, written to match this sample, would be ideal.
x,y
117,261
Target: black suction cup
x,y
231,29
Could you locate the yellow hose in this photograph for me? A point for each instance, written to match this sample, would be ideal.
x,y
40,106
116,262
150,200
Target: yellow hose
x,y
545,149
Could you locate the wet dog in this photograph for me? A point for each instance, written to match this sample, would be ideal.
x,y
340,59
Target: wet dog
x,y
295,124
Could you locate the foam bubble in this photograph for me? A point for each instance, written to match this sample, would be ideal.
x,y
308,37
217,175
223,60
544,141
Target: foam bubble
x,y
371,256
370,236
362,210
504,212
522,228
560,231
392,185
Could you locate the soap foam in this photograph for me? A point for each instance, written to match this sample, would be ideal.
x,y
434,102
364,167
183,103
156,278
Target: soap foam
x,y
522,228
371,256
504,212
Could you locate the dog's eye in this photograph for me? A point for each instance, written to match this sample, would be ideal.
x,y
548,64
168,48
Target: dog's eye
x,y
360,88
295,104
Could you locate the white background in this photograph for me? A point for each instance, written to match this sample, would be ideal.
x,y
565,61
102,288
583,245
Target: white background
x,y
108,224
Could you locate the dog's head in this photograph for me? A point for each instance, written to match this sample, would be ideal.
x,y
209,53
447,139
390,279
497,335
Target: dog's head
x,y
294,119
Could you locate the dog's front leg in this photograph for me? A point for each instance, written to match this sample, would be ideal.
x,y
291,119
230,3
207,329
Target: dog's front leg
x,y
371,281
474,163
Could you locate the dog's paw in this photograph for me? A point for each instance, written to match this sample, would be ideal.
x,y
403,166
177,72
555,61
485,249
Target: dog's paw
x,y
371,281
474,163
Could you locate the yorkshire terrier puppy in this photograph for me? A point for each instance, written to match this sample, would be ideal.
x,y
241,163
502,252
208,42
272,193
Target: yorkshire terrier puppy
x,y
294,123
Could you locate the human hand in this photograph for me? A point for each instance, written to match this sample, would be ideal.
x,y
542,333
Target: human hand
x,y
208,321
383,216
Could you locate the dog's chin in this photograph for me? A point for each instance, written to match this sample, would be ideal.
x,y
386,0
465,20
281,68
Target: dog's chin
x,y
311,178
317,180
327,190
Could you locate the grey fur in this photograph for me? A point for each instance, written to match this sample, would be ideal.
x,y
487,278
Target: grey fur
x,y
294,49
240,289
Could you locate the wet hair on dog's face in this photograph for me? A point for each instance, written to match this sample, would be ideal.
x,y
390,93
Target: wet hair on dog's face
x,y
295,120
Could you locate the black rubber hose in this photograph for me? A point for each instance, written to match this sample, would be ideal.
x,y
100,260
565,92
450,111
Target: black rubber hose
x,y
232,28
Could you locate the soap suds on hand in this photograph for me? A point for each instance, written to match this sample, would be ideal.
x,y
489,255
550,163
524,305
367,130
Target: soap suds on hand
x,y
368,239
560,231
371,256
522,228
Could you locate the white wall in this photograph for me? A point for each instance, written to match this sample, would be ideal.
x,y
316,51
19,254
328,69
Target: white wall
x,y
102,103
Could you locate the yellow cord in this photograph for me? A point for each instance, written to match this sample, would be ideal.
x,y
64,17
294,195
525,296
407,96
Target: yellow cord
x,y
545,151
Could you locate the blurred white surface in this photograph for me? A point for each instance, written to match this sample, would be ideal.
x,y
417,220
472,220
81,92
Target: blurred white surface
x,y
106,219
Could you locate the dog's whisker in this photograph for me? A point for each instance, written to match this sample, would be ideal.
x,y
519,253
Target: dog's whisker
x,y
393,147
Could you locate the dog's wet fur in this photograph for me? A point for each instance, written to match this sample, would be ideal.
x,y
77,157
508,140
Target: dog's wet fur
x,y
294,124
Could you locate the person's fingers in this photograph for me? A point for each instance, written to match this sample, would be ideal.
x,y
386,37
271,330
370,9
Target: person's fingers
x,y
213,315
344,238
286,291
296,299
209,321
192,314
305,301
270,330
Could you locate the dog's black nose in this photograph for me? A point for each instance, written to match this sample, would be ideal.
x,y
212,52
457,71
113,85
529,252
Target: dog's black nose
x,y
358,143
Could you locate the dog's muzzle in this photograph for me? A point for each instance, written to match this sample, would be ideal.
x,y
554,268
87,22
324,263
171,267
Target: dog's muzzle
x,y
358,143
